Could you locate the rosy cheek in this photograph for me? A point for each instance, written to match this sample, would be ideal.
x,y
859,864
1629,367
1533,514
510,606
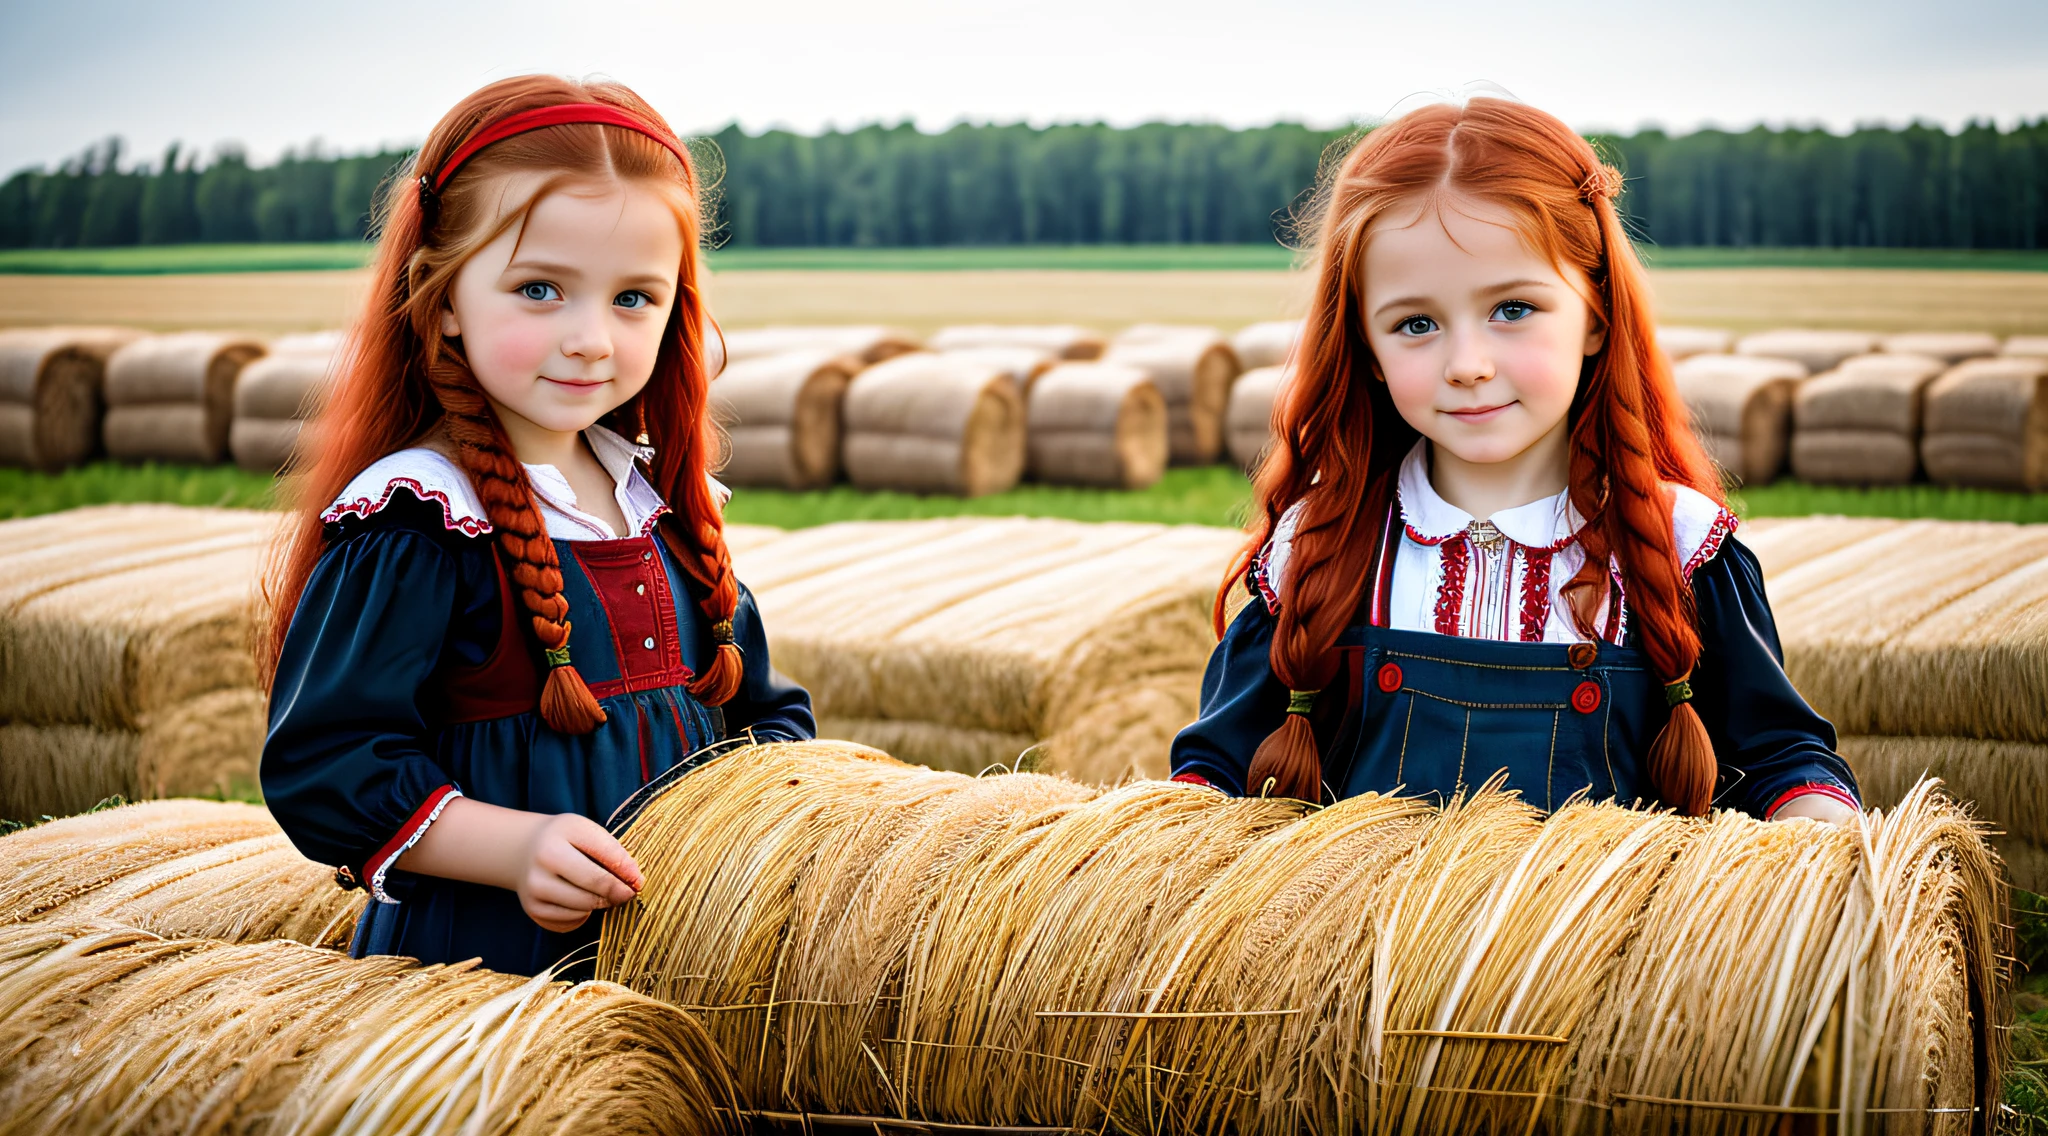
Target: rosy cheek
x,y
514,345
1543,371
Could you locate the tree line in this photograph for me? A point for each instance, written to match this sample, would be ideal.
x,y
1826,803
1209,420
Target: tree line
x,y
895,186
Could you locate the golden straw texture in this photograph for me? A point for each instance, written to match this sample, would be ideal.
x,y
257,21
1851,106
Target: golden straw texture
x,y
872,939
105,1029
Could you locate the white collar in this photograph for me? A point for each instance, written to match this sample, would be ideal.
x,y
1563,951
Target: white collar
x,y
636,500
1545,523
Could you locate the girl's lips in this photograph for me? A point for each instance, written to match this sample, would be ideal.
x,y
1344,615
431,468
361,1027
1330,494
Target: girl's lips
x,y
576,384
1483,414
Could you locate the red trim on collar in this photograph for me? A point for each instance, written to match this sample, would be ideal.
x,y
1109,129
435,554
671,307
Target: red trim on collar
x,y
364,507
1724,526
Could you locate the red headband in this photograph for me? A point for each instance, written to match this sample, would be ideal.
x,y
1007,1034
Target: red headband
x,y
561,114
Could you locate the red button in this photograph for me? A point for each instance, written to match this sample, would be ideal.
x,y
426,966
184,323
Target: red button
x,y
1390,678
1586,698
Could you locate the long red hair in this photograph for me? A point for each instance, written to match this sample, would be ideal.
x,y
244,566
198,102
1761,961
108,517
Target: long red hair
x,y
400,382
1338,441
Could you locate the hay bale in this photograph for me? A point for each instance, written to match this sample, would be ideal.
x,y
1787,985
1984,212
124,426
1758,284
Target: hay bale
x,y
781,415
2006,784
1248,422
51,393
1096,424
927,423
1020,365
1013,951
184,868
1817,351
1987,424
172,397
1265,344
2026,346
1860,423
1682,343
208,745
1193,368
869,344
1062,341
1087,638
114,1029
1742,408
1951,347
275,395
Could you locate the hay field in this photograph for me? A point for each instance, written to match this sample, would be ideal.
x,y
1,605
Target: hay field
x,y
1741,299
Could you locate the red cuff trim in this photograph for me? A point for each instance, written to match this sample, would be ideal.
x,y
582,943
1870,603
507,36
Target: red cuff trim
x,y
408,834
1824,789
1193,779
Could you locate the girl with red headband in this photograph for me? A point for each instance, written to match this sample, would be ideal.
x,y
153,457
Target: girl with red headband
x,y
506,602
1487,542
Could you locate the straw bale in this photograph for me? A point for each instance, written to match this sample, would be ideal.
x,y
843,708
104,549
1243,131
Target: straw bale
x,y
1096,424
1248,422
171,397
1681,343
114,1029
869,344
1860,423
956,749
285,384
51,393
781,415
1742,409
1265,344
746,538
2006,784
874,940
1193,368
928,423
210,744
265,445
1064,341
1914,628
1020,365
203,869
1950,347
110,628
2026,346
1072,634
1987,424
1817,351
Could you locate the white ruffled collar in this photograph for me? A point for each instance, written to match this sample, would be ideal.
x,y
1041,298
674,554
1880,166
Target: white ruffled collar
x,y
1549,522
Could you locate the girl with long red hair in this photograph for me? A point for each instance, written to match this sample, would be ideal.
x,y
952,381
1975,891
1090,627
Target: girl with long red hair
x,y
1486,541
505,603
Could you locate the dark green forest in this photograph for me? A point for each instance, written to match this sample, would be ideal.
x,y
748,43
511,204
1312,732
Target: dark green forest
x,y
897,187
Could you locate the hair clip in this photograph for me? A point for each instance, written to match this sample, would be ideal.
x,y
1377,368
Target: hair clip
x,y
1600,185
428,199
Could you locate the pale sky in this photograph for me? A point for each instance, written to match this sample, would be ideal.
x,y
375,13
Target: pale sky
x,y
275,74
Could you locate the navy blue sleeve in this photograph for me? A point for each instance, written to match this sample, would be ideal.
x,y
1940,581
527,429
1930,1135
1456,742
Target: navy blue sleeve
x,y
346,768
1768,740
775,708
1241,703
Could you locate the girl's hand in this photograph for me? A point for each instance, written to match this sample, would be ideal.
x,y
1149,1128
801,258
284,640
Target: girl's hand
x,y
571,868
1817,806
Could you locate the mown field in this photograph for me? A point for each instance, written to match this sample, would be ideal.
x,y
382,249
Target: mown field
x,y
1211,495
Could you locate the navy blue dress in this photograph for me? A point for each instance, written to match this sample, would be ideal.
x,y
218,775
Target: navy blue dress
x,y
1433,715
407,678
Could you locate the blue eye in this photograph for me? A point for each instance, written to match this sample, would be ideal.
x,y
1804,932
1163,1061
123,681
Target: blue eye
x,y
1513,310
633,300
540,292
1416,325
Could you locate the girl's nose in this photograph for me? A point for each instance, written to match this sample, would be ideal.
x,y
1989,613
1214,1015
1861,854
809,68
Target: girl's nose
x,y
1469,363
588,338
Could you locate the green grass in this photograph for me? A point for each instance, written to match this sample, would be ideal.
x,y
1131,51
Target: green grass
x,y
1211,495
152,259
26,494
1790,498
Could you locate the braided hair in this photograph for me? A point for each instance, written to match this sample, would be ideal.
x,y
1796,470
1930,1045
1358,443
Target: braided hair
x,y
401,382
1338,440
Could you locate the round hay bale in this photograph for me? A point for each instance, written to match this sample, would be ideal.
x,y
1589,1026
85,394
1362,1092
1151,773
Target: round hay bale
x,y
926,423
1064,341
111,1028
171,397
1742,408
781,415
1193,368
869,344
1096,424
1265,344
1680,343
1859,424
1248,423
2026,346
275,396
1817,351
1021,365
1987,424
52,393
1951,347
